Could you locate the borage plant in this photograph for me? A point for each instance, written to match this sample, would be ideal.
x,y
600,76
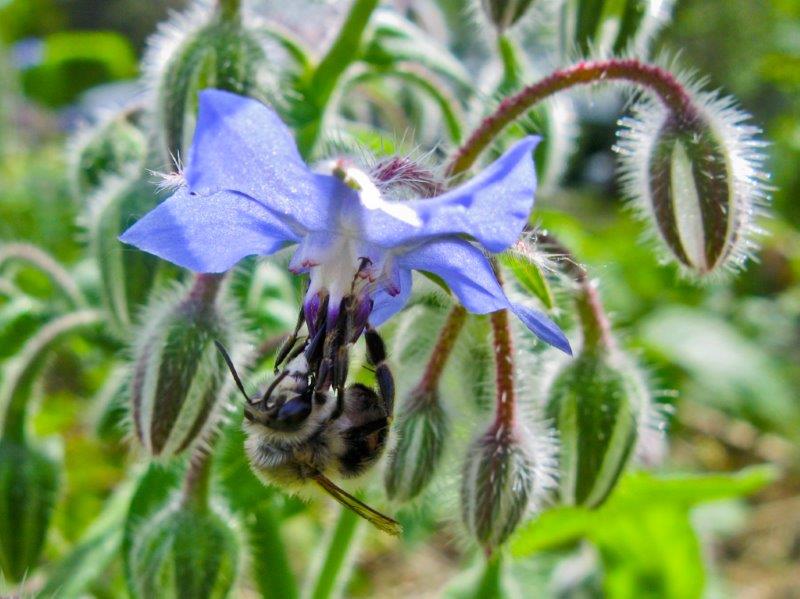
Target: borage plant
x,y
423,239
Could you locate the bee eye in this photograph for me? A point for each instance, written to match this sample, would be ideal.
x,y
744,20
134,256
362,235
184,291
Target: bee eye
x,y
292,413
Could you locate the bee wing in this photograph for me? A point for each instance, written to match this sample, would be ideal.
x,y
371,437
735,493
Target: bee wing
x,y
384,523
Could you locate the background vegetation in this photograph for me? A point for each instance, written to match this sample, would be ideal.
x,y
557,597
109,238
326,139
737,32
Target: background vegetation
x,y
729,351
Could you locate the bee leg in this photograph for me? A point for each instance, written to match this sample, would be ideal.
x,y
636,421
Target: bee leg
x,y
334,366
288,344
376,355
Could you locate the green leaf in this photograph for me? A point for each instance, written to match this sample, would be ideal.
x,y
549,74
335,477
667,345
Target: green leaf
x,y
90,557
74,61
643,532
393,39
530,276
731,372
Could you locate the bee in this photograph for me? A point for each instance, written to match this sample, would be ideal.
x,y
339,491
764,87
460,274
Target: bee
x,y
309,427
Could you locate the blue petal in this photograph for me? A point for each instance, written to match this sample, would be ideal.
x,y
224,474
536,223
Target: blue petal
x,y
470,276
465,270
492,207
541,326
241,145
386,305
208,233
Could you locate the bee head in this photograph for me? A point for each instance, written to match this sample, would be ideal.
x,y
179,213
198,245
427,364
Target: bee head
x,y
290,411
284,411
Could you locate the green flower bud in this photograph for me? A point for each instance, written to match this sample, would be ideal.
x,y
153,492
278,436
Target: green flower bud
x,y
183,551
595,402
29,481
497,485
179,377
113,147
196,50
127,275
611,27
421,432
698,177
504,13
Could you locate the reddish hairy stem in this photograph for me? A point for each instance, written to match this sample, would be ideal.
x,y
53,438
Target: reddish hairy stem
x,y
658,80
594,322
442,350
505,402
205,288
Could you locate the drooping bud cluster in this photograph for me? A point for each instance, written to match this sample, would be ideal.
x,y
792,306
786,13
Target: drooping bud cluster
x,y
201,48
184,551
110,148
698,177
30,480
611,27
497,485
596,402
179,377
421,431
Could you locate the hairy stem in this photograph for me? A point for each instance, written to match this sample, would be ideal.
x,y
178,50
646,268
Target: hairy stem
x,y
443,348
205,289
505,400
659,81
595,325
229,10
340,546
197,481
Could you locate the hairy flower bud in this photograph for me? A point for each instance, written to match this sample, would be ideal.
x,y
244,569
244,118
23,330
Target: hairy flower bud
x,y
497,485
596,402
199,49
698,178
504,13
611,27
183,551
178,374
126,275
29,480
110,148
421,432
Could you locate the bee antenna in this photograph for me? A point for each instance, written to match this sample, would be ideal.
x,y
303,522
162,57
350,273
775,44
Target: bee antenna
x,y
283,374
232,368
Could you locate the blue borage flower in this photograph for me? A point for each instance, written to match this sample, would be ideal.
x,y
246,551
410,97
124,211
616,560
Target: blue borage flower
x,y
247,191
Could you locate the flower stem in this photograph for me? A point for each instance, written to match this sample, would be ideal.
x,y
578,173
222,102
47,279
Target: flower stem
x,y
660,81
343,51
204,289
341,544
229,10
442,350
595,325
197,480
490,584
505,400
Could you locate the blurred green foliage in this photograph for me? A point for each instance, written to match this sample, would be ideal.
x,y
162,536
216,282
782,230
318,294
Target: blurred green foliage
x,y
750,327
